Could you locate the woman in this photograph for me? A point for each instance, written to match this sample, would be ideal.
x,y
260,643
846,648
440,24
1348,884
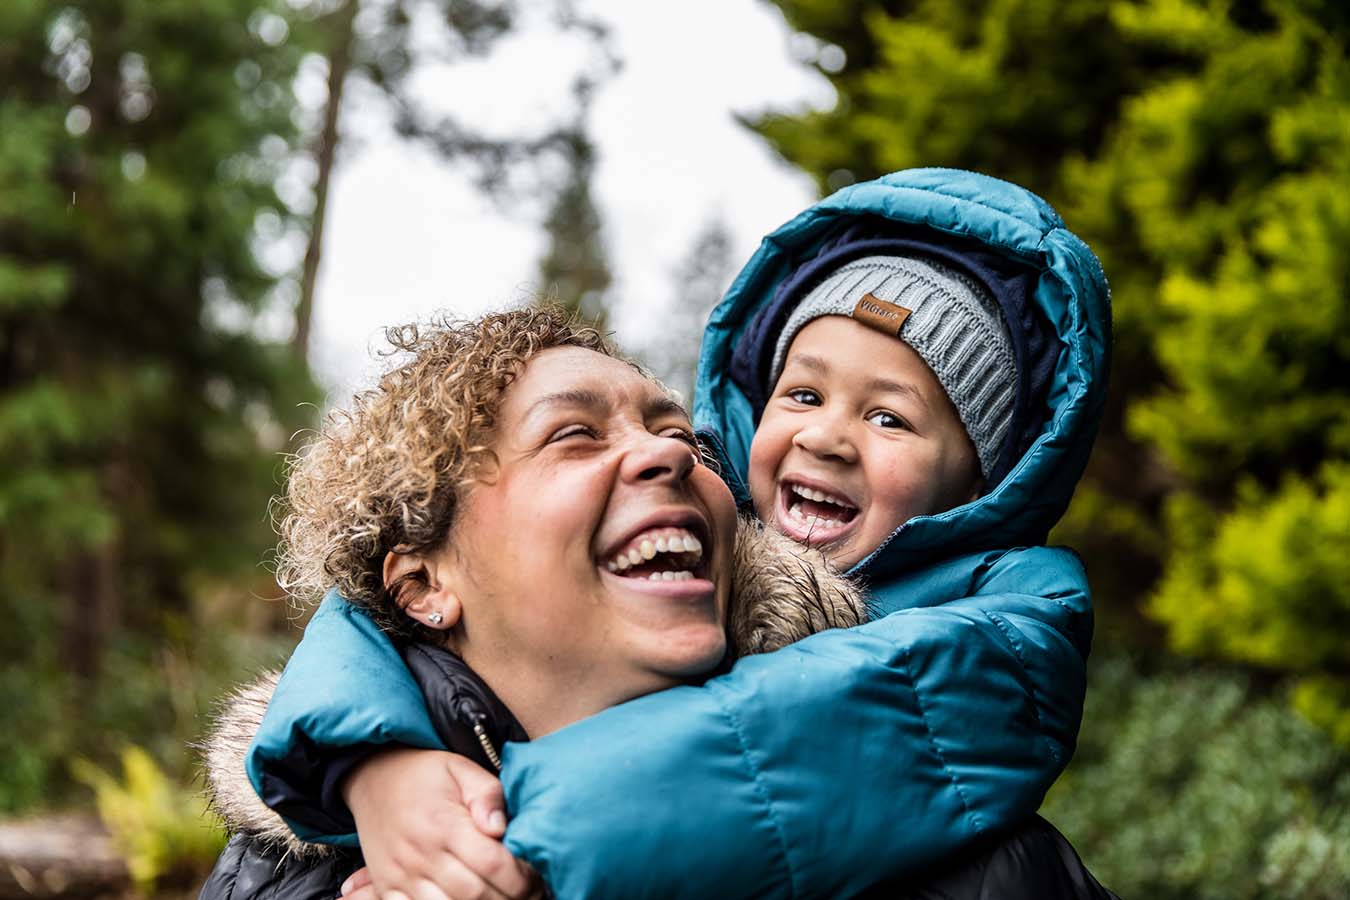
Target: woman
x,y
495,496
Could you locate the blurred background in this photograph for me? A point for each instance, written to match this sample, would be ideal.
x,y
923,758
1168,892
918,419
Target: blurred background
x,y
209,208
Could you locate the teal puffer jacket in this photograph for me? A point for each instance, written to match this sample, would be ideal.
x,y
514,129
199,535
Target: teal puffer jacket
x,y
846,758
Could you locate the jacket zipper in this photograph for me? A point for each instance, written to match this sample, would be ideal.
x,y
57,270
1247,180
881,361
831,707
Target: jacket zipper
x,y
481,733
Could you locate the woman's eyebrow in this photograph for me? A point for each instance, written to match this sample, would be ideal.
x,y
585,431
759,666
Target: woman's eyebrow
x,y
665,406
583,398
573,397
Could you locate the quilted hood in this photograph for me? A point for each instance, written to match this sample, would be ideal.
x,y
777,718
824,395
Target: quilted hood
x,y
1067,288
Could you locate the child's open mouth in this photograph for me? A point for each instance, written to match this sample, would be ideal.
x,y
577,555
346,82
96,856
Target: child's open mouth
x,y
812,515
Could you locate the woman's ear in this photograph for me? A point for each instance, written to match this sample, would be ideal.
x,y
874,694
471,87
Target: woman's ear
x,y
421,590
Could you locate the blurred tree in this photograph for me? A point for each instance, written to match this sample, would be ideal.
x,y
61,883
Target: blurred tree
x,y
1203,150
373,41
574,271
338,35
141,403
699,280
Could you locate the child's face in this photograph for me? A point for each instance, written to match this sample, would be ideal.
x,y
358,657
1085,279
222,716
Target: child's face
x,y
857,438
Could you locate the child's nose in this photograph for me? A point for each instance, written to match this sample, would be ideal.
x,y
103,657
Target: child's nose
x,y
827,440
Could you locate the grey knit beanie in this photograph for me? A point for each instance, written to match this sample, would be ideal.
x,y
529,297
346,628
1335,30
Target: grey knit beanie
x,y
950,320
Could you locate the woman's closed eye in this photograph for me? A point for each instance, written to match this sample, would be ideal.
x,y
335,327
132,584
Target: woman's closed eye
x,y
681,434
575,430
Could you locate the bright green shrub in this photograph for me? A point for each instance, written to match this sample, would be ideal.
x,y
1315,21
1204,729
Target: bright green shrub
x,y
163,829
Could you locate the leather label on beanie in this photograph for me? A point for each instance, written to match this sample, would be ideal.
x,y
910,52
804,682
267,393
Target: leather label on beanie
x,y
880,314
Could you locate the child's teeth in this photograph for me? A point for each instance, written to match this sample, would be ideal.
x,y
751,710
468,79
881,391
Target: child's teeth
x,y
648,549
692,544
812,521
634,556
817,496
662,545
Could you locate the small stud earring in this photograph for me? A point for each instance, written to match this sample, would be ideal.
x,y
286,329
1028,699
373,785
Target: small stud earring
x,y
435,618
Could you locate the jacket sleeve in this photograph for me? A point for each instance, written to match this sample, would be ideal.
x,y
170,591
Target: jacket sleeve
x,y
815,771
345,692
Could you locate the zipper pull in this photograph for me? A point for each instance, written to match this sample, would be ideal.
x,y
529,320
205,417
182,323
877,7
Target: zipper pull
x,y
481,733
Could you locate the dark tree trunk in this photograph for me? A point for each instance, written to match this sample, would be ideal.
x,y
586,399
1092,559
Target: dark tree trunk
x,y
91,610
325,151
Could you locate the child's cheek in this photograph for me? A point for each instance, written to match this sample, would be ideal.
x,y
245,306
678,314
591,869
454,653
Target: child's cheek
x,y
900,488
761,475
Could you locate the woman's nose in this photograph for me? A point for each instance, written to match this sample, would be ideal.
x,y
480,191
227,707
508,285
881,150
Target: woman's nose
x,y
655,458
826,438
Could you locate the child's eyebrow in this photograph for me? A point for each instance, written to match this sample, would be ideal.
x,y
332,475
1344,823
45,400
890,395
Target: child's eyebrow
x,y
814,363
886,386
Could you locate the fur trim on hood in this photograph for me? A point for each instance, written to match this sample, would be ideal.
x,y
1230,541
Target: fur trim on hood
x,y
782,592
228,789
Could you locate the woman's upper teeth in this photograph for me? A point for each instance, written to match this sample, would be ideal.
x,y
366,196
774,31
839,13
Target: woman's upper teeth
x,y
646,545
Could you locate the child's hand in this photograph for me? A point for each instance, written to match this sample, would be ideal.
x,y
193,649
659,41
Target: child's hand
x,y
430,825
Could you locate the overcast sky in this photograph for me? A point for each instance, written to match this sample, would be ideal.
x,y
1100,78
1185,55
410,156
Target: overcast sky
x,y
407,235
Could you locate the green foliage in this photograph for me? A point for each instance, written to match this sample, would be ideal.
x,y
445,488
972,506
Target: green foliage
x,y
1194,785
142,402
155,687
1268,583
164,830
1203,149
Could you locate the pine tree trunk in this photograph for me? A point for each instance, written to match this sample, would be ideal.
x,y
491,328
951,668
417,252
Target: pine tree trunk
x,y
325,151
91,588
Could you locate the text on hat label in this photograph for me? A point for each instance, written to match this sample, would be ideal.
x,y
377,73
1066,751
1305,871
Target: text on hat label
x,y
880,314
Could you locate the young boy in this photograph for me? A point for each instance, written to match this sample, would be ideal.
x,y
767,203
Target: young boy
x,y
909,375
893,387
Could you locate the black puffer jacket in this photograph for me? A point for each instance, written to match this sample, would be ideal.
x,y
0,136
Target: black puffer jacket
x,y
1034,862
263,860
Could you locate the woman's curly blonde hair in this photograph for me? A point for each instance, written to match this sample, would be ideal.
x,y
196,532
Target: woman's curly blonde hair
x,y
390,471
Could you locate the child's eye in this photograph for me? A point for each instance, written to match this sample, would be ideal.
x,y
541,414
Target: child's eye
x,y
804,396
883,419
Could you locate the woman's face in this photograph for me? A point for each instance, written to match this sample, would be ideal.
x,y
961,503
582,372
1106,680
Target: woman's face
x,y
594,564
